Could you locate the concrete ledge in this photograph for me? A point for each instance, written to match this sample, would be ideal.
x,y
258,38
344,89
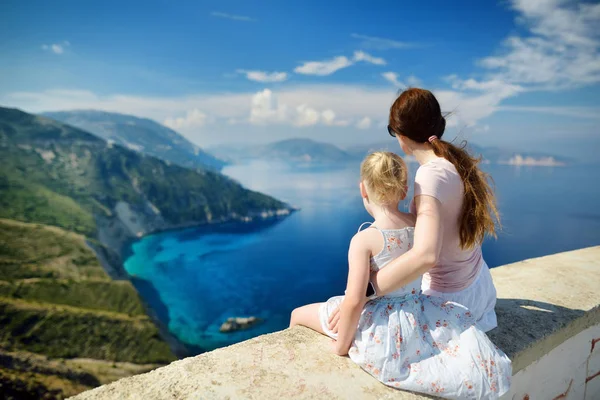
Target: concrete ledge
x,y
544,305
544,301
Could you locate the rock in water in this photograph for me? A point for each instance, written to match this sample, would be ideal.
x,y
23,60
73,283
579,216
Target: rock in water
x,y
239,323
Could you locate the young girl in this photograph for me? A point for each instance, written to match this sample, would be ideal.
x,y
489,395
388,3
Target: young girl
x,y
405,339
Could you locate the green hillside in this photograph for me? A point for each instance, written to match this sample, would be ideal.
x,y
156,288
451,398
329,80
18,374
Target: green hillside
x,y
57,302
58,175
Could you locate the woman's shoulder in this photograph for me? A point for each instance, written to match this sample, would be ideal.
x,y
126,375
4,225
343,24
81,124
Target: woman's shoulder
x,y
436,166
437,178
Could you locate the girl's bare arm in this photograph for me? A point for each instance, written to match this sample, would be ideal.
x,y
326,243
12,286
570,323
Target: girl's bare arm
x,y
354,300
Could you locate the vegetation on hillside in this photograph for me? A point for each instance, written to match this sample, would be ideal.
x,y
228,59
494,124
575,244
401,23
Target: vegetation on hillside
x,y
58,175
57,301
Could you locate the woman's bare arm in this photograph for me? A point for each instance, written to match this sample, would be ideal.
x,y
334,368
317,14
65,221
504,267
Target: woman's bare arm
x,y
424,254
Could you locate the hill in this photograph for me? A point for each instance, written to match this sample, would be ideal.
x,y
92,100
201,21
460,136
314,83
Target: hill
x,y
59,175
490,155
303,151
139,134
310,152
65,326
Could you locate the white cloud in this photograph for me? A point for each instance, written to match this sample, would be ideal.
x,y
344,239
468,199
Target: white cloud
x,y
497,86
364,123
562,49
469,107
576,112
381,43
362,56
306,116
336,105
413,81
263,76
392,77
483,129
266,109
193,119
328,118
232,17
328,67
56,48
322,68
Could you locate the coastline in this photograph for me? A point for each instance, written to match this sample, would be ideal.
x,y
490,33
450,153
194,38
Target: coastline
x,y
115,237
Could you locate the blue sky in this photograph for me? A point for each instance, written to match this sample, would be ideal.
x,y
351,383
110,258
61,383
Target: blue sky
x,y
518,73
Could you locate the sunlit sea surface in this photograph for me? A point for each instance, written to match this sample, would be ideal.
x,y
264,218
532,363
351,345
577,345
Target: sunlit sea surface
x,y
196,278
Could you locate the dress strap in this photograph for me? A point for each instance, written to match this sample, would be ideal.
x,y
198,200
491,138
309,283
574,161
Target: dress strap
x,y
364,223
370,226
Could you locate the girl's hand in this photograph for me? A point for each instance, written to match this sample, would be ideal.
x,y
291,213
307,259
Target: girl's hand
x,y
335,348
334,319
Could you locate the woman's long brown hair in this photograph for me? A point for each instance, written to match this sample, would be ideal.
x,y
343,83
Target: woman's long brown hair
x,y
416,114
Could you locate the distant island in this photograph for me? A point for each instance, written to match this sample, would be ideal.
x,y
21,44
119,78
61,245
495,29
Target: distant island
x,y
548,161
70,202
311,152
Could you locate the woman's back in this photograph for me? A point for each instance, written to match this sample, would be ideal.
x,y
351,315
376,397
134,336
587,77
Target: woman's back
x,y
457,268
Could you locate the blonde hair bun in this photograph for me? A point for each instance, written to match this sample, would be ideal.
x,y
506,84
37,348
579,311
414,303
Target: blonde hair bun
x,y
385,175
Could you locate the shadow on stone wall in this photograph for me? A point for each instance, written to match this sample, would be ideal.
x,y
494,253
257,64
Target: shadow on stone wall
x,y
524,322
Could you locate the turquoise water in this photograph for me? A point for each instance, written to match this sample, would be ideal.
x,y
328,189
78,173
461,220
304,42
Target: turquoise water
x,y
196,278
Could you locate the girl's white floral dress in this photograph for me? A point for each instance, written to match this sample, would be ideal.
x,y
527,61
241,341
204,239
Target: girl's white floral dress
x,y
421,343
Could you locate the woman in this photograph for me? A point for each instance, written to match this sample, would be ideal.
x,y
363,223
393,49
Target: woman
x,y
455,209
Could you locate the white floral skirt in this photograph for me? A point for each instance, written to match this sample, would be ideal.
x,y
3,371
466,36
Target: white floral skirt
x,y
479,298
428,345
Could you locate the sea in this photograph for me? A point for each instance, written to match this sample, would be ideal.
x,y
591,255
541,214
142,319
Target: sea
x,y
196,278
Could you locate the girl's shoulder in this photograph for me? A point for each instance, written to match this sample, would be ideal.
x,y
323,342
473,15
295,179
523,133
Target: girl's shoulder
x,y
373,237
367,238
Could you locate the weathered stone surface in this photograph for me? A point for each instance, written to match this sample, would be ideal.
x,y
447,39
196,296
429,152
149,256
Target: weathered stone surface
x,y
294,363
542,302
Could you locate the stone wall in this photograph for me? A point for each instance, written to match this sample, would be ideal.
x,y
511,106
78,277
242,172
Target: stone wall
x,y
549,324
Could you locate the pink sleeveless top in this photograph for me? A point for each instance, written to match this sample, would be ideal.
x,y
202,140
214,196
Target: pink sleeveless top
x,y
456,268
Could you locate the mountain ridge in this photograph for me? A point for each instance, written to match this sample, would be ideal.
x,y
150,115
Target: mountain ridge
x,y
139,134
311,151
